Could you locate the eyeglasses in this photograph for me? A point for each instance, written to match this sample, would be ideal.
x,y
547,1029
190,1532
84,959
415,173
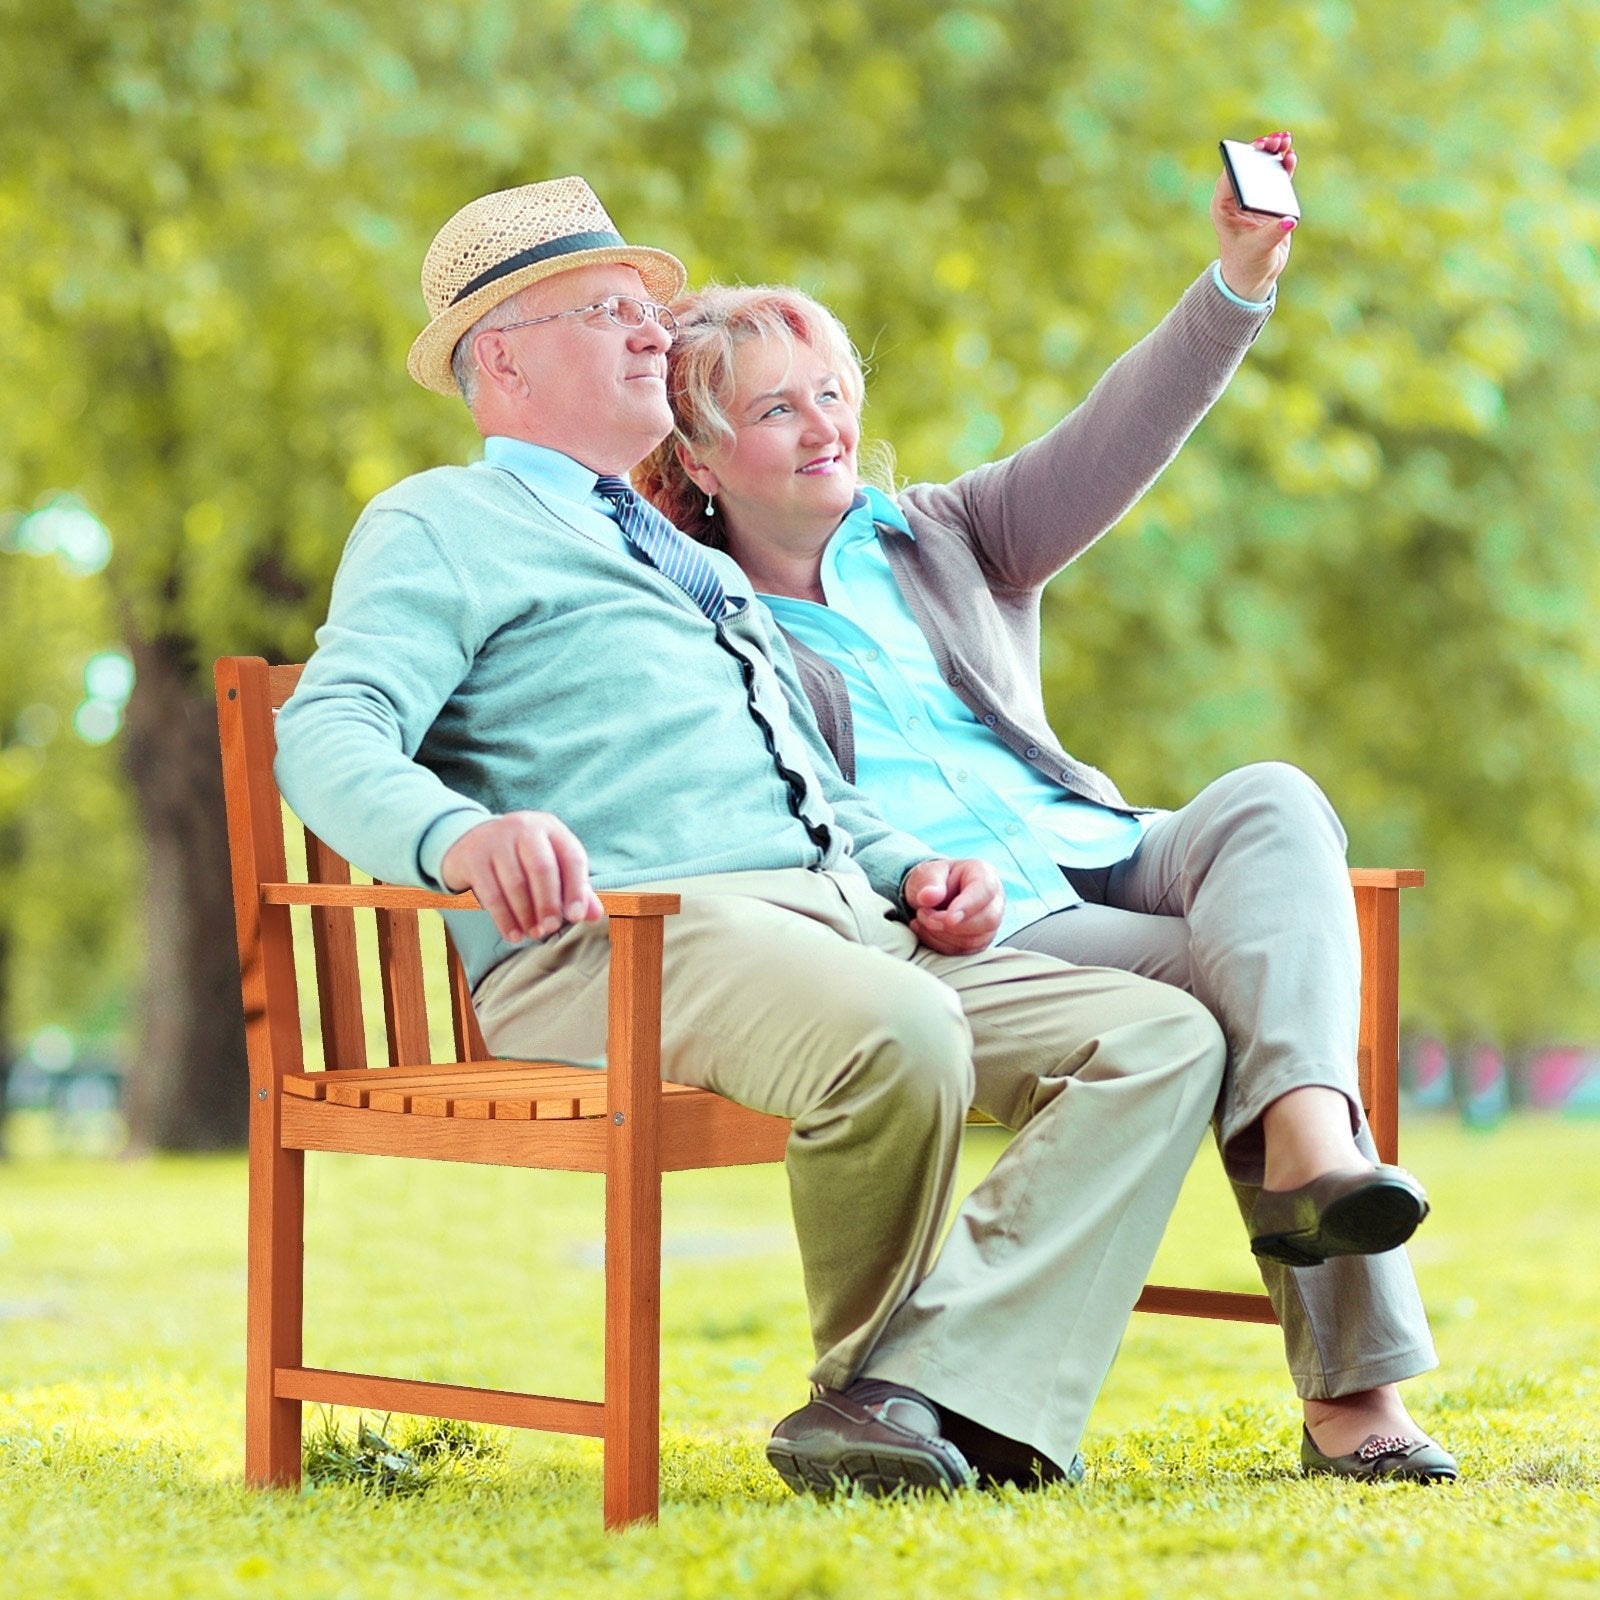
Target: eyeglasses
x,y
623,309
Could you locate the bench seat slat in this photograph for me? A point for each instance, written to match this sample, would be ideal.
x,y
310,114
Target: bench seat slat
x,y
498,1091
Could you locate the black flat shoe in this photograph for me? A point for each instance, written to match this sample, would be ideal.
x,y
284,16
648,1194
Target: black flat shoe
x,y
1381,1456
1339,1214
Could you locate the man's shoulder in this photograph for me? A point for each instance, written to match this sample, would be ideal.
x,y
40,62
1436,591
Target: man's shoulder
x,y
454,509
438,492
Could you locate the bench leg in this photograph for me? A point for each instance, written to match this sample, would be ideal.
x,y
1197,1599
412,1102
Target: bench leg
x,y
274,1301
633,1347
1378,917
633,1223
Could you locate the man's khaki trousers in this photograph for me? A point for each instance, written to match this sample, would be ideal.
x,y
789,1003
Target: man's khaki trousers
x,y
795,992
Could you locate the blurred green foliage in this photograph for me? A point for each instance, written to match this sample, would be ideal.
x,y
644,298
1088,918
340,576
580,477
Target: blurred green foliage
x,y
1377,558
68,851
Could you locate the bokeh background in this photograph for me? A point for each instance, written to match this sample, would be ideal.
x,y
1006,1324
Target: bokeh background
x,y
1377,557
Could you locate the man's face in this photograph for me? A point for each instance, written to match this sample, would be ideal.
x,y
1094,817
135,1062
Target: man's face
x,y
594,390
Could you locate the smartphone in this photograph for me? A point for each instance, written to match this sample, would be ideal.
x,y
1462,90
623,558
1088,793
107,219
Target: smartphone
x,y
1258,179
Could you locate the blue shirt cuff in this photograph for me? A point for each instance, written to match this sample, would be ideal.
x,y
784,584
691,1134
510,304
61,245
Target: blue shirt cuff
x,y
1239,300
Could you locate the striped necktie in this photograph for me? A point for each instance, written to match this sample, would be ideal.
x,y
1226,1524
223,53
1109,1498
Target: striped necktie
x,y
679,558
676,557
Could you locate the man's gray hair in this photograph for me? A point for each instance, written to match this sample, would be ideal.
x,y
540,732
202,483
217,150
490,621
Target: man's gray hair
x,y
463,368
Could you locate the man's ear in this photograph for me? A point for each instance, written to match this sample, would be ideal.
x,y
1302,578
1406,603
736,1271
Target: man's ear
x,y
700,475
492,352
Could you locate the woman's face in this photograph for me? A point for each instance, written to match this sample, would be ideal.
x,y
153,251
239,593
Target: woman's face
x,y
790,470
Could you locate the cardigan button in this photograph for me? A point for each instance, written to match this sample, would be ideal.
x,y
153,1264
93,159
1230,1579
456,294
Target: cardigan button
x,y
1031,751
989,719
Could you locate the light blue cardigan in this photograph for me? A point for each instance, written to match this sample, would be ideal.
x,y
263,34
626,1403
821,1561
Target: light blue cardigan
x,y
482,654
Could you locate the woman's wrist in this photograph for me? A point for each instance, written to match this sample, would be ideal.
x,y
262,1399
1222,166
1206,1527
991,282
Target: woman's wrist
x,y
1255,296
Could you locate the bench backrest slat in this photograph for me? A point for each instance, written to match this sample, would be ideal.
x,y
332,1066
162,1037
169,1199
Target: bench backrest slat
x,y
470,1044
405,1009
333,938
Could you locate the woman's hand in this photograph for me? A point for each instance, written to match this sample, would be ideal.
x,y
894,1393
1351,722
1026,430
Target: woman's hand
x,y
956,906
1253,249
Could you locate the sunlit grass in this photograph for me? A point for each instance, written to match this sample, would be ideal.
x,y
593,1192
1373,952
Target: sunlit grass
x,y
121,1321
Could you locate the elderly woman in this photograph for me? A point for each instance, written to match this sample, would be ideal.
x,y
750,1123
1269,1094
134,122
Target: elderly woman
x,y
913,619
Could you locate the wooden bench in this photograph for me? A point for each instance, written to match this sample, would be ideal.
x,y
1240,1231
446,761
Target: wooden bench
x,y
623,1122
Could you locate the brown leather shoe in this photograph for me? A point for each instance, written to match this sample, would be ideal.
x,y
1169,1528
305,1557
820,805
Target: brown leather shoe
x,y
1381,1456
874,1436
1339,1214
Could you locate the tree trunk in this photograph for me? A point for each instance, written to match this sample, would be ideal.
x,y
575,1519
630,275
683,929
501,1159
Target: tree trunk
x,y
187,1084
1519,1076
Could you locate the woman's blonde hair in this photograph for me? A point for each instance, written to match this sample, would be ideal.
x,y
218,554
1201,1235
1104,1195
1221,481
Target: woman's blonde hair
x,y
712,324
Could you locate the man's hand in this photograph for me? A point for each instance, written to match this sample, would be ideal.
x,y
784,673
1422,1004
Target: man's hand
x,y
528,871
1253,249
956,905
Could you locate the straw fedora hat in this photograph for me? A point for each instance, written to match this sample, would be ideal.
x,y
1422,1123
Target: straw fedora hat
x,y
501,243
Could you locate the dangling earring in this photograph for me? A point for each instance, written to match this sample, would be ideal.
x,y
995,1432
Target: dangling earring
x,y
711,507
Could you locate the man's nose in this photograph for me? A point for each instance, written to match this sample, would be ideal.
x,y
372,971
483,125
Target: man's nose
x,y
649,335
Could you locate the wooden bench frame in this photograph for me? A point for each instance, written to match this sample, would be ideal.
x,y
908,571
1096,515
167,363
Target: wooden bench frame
x,y
623,1122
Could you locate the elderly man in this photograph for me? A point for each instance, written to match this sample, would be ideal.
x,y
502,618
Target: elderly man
x,y
529,684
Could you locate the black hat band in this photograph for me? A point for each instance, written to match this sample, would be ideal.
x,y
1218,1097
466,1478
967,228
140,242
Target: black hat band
x,y
567,245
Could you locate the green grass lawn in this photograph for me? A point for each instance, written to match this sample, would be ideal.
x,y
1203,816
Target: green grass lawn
x,y
121,1350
